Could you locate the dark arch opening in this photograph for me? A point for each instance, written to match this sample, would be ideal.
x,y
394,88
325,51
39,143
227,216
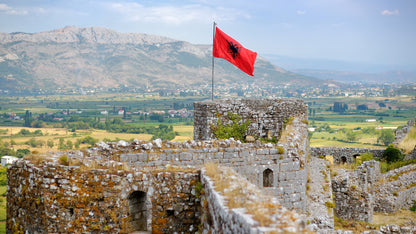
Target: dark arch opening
x,y
138,211
267,178
355,156
343,159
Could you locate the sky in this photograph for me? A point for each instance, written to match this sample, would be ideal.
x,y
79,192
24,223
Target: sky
x,y
373,32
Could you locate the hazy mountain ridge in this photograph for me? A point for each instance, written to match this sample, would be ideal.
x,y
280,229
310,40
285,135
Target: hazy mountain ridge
x,y
347,76
74,57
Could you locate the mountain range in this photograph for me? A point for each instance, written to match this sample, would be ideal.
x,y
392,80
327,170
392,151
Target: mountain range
x,y
94,57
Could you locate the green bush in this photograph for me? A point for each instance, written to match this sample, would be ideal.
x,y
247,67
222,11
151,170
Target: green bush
x,y
63,160
413,208
392,154
3,176
234,130
364,157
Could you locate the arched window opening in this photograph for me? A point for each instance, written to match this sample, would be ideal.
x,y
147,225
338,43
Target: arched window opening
x,y
343,159
267,178
138,210
355,157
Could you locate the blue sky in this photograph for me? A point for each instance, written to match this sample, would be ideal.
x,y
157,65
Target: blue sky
x,y
361,31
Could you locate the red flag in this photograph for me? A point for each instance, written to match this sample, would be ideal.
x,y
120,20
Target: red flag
x,y
229,49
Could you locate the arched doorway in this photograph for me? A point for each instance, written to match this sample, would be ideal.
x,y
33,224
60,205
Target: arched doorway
x,y
138,210
267,178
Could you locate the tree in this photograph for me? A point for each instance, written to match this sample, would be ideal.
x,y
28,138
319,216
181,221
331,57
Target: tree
x,y
351,136
392,154
386,137
340,107
20,153
362,107
27,119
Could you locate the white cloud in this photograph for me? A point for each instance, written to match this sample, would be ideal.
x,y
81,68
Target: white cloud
x,y
12,11
300,12
175,15
4,7
387,12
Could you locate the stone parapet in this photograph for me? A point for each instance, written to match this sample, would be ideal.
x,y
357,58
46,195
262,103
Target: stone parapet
x,y
253,212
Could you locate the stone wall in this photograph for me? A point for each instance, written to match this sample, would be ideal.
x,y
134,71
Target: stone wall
x,y
344,154
267,116
397,190
52,198
400,134
249,212
358,193
251,160
354,192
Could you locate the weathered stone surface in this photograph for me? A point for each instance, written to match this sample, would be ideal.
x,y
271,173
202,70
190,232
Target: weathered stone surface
x,y
218,217
98,200
267,116
344,154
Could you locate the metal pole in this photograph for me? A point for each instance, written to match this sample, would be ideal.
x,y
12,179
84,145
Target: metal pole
x,y
213,40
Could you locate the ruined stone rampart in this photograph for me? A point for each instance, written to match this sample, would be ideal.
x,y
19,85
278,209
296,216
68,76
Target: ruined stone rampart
x,y
272,168
246,211
401,133
396,190
123,187
267,116
344,154
52,198
354,192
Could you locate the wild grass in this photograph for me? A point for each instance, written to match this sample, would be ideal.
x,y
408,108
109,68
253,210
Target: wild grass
x,y
352,225
385,167
409,142
400,217
37,159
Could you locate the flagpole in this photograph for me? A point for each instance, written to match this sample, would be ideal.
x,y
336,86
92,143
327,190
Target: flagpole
x,y
213,39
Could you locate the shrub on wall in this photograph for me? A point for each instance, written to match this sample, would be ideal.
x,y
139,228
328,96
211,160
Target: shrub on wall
x,y
392,154
236,129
